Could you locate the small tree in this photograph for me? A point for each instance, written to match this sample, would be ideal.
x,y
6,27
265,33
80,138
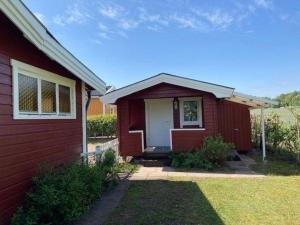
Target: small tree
x,y
295,112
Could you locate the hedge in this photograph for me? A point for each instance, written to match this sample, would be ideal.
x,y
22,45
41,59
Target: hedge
x,y
102,126
62,195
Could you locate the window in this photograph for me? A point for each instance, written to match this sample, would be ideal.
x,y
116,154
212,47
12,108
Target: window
x,y
48,97
28,94
64,99
39,94
190,112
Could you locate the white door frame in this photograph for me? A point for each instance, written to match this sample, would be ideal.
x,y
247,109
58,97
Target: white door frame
x,y
147,102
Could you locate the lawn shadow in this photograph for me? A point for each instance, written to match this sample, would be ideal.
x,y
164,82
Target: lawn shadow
x,y
164,202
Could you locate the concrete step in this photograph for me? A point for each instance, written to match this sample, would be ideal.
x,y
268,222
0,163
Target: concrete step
x,y
146,162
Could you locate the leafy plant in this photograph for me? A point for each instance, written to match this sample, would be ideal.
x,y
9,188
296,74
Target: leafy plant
x,y
212,154
104,125
61,195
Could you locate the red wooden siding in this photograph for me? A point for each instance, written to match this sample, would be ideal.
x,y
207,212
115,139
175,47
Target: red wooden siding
x,y
130,144
234,124
219,117
24,144
186,140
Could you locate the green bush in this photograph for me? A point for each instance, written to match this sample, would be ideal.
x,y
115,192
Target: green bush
x,y
212,154
281,139
62,195
102,126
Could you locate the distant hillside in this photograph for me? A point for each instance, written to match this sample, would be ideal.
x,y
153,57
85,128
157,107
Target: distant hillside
x,y
289,99
283,113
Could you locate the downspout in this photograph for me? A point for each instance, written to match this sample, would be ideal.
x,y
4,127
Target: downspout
x,y
88,100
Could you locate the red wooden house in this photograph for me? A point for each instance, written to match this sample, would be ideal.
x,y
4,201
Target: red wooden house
x,y
172,113
43,90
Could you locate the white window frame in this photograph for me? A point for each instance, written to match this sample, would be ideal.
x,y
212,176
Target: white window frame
x,y
35,72
199,122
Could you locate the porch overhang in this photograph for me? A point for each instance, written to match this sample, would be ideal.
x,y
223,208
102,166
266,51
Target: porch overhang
x,y
252,101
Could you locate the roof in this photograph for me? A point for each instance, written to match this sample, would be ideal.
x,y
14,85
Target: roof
x,y
38,34
219,91
252,101
96,93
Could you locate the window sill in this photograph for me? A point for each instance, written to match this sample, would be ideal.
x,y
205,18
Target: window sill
x,y
188,129
44,117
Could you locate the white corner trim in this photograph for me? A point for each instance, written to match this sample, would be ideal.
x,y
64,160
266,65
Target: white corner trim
x,y
217,90
142,136
40,74
83,105
181,129
35,32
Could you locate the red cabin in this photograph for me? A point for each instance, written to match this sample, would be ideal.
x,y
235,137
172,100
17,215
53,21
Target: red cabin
x,y
42,103
171,113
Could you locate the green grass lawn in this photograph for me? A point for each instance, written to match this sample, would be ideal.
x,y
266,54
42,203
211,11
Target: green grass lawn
x,y
274,166
284,114
270,200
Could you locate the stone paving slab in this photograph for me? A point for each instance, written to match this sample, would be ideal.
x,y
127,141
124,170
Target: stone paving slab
x,y
146,173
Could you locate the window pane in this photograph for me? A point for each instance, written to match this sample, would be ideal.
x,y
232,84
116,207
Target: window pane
x,y
28,93
64,99
48,97
190,110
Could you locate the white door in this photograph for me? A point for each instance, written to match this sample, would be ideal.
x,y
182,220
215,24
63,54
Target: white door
x,y
159,121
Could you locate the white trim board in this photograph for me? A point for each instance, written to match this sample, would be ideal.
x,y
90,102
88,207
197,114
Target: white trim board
x,y
142,136
36,33
217,90
40,74
83,109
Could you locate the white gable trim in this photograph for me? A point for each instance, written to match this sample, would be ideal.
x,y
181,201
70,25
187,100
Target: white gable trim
x,y
35,32
217,90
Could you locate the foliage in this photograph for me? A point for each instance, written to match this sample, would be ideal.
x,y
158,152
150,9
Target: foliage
x,y
289,99
212,154
281,138
104,125
126,167
61,195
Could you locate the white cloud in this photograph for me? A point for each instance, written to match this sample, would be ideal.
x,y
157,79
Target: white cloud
x,y
152,18
103,27
111,11
59,20
185,21
74,14
217,18
41,17
104,35
128,24
266,4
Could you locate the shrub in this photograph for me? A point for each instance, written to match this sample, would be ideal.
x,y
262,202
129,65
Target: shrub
x,y
212,154
62,195
281,139
215,149
104,125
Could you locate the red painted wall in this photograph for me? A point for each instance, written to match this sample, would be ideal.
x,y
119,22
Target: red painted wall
x,y
130,144
219,117
24,144
234,124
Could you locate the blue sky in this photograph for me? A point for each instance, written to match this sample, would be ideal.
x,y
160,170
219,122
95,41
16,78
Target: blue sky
x,y
252,45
